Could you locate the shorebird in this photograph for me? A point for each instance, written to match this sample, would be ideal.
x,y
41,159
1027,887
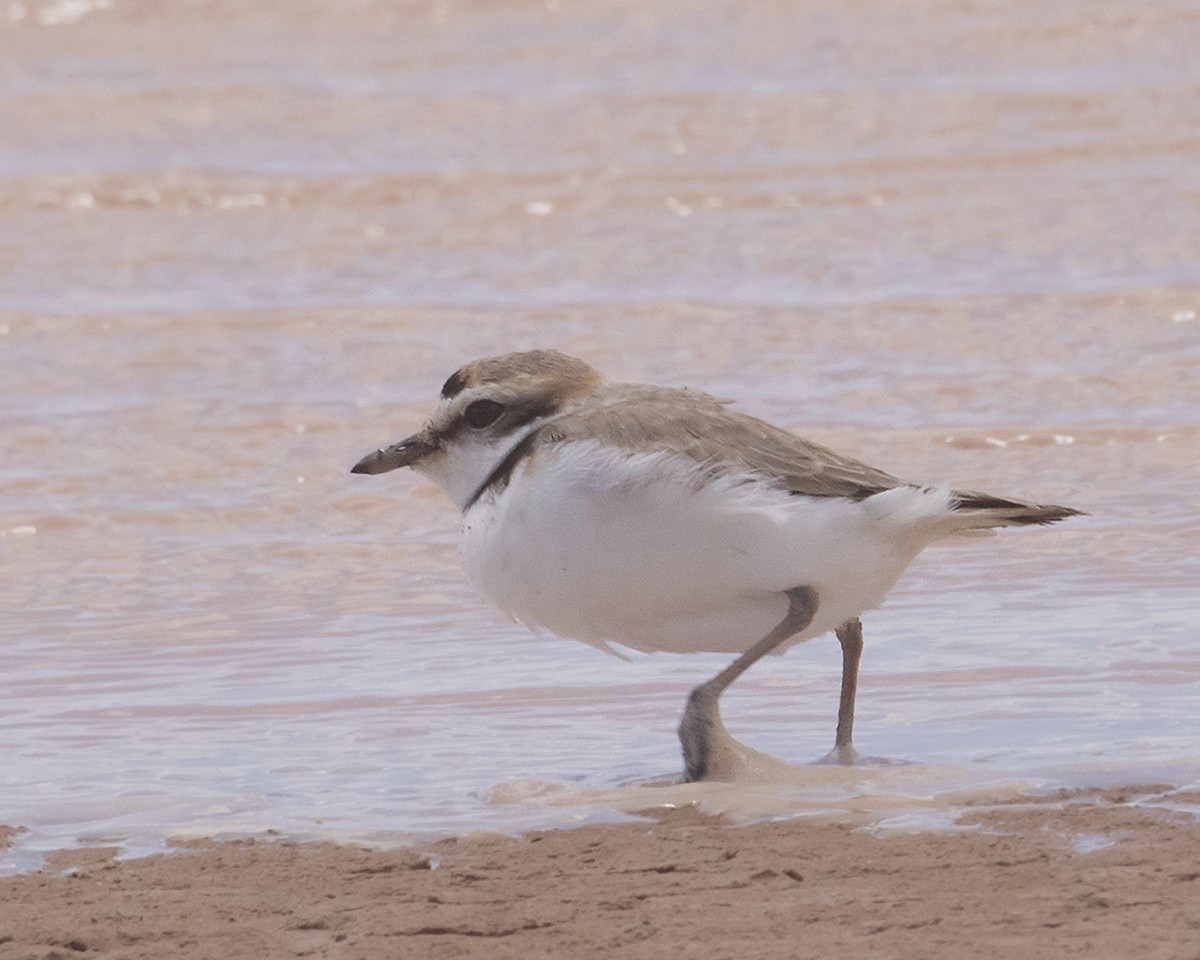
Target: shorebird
x,y
661,519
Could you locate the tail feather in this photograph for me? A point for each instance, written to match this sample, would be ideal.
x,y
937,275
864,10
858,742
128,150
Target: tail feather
x,y
985,510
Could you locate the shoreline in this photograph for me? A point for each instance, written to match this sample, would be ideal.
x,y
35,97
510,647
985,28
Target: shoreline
x,y
1075,873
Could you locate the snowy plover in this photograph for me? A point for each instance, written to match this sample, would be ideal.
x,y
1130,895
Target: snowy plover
x,y
663,520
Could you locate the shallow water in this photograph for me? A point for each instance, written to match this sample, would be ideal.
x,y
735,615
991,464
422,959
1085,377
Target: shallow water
x,y
242,247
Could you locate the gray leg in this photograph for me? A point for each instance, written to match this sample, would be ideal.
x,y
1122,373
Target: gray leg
x,y
702,713
850,636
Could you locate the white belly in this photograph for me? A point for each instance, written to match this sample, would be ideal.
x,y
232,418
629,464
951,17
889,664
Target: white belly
x,y
594,544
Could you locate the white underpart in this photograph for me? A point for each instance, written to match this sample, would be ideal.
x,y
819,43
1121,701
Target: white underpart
x,y
648,551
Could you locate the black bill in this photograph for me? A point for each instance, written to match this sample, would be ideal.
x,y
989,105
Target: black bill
x,y
402,454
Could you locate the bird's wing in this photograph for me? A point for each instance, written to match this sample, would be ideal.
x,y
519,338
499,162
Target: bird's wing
x,y
645,419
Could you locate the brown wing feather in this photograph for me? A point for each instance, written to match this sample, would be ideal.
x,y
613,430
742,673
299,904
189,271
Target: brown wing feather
x,y
641,418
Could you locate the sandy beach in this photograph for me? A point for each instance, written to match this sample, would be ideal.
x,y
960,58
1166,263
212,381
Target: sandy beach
x,y
1091,874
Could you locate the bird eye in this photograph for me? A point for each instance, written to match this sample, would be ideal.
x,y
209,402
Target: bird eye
x,y
482,413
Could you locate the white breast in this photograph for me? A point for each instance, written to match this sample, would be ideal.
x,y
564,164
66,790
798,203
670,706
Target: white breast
x,y
593,543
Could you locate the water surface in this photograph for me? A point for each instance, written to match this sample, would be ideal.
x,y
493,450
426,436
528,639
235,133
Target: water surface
x,y
241,247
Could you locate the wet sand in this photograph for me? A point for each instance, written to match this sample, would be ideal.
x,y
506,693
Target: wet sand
x,y
1088,874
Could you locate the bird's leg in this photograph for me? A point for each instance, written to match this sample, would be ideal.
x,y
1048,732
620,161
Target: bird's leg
x,y
702,713
850,636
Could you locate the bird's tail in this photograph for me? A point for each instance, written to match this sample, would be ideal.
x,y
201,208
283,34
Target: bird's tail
x,y
980,511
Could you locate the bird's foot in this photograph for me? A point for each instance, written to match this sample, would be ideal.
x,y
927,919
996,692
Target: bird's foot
x,y
846,756
843,755
701,716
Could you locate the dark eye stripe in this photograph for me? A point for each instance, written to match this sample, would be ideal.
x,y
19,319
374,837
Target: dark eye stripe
x,y
482,413
526,411
512,416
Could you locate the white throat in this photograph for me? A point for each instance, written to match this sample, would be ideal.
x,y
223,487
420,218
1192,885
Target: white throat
x,y
465,464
